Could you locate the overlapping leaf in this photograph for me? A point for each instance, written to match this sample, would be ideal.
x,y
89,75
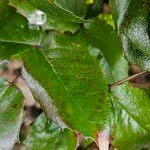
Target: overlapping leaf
x,y
44,134
132,21
130,128
14,29
46,14
11,115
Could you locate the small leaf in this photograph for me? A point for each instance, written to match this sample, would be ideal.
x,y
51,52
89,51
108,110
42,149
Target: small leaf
x,y
11,115
132,22
45,134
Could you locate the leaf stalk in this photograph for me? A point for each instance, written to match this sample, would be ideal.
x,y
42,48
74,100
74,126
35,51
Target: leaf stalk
x,y
126,79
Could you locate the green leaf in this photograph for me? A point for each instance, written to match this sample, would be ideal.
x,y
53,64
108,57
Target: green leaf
x,y
129,126
46,14
11,115
77,7
134,55
45,134
7,50
132,22
103,37
70,77
127,133
17,31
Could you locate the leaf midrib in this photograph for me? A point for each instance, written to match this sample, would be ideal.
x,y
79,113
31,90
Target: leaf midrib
x,y
61,81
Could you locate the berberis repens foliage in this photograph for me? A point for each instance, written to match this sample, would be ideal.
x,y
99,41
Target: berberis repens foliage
x,y
66,63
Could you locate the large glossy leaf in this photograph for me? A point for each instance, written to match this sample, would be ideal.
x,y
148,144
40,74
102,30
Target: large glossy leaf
x,y
130,128
71,77
46,14
132,21
68,75
11,115
46,135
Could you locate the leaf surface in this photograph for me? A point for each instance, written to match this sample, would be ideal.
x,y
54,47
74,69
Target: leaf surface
x,y
11,115
45,134
129,126
17,31
132,22
77,7
66,79
46,14
71,77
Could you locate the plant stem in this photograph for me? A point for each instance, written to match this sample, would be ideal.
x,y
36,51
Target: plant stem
x,y
126,79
